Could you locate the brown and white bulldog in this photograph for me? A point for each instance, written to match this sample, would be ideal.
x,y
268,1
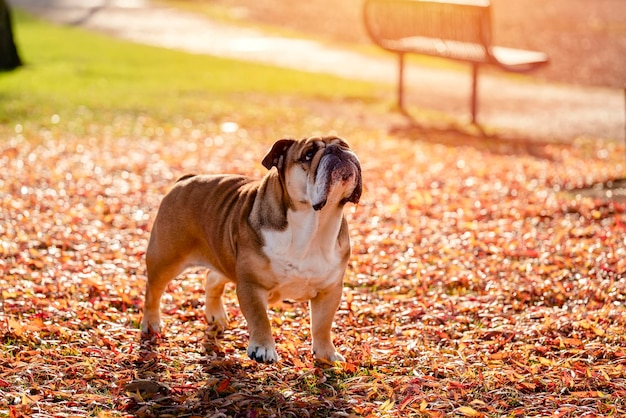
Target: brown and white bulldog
x,y
281,237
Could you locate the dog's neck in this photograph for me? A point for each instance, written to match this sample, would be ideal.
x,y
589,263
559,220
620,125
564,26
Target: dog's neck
x,y
314,230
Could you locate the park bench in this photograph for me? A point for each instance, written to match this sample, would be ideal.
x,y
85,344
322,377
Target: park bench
x,y
459,30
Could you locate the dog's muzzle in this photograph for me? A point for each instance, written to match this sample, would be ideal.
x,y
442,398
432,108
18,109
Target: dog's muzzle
x,y
338,177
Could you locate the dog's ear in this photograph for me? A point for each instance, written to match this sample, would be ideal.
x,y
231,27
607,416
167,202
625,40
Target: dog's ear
x,y
277,153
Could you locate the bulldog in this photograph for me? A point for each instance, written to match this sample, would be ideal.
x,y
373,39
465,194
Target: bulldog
x,y
283,237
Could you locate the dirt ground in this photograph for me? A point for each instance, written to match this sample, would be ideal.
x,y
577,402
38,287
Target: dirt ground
x,y
585,39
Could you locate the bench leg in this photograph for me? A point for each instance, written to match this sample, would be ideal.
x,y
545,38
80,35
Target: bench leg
x,y
474,103
401,81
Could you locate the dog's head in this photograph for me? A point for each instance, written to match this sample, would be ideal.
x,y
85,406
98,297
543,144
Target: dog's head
x,y
317,171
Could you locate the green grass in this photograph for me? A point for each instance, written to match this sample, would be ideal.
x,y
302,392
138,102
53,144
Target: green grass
x,y
78,74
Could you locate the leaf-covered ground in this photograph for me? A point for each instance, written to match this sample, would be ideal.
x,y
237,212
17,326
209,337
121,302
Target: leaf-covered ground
x,y
478,285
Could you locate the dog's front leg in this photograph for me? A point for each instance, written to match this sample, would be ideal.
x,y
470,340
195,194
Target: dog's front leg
x,y
323,309
253,303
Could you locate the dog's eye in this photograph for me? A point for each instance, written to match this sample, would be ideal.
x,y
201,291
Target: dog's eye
x,y
308,156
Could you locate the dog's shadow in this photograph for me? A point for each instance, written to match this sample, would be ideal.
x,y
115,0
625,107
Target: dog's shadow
x,y
231,386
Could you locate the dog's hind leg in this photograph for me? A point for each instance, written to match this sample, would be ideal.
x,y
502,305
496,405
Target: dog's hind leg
x,y
214,308
160,273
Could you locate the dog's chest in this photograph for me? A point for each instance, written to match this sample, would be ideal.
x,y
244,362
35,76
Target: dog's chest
x,y
300,270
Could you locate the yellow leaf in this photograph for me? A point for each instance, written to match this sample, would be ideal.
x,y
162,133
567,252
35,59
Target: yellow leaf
x,y
387,405
29,399
468,411
546,362
423,406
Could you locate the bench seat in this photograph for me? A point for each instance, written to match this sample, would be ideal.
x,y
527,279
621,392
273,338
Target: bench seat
x,y
516,60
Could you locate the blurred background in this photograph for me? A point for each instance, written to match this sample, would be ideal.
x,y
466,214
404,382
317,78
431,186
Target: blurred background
x,y
585,39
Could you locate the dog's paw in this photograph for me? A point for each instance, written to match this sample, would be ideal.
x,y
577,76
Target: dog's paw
x,y
263,354
336,357
328,355
217,317
151,325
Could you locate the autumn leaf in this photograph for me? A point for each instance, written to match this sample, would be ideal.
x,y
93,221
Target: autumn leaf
x,y
223,386
468,411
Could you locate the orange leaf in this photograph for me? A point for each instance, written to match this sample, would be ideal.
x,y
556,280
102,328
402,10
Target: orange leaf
x,y
15,327
589,394
35,325
572,342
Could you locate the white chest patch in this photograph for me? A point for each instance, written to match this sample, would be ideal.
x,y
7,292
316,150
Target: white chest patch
x,y
305,258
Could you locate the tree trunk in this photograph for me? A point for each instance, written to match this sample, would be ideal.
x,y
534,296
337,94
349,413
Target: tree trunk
x,y
9,58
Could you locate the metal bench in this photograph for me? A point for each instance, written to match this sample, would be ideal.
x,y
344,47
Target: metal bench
x,y
459,30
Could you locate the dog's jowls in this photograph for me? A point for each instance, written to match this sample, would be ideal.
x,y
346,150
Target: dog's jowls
x,y
281,237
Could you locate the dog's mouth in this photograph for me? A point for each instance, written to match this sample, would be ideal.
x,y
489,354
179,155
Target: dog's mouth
x,y
338,179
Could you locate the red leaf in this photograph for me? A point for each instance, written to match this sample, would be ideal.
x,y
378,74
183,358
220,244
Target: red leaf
x,y
223,386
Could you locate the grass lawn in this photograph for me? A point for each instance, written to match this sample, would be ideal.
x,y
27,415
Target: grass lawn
x,y
480,283
96,78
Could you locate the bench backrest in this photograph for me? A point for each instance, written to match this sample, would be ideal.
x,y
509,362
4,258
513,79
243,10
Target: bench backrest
x,y
459,29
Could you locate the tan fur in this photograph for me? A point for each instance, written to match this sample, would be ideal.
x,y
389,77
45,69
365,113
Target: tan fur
x,y
281,237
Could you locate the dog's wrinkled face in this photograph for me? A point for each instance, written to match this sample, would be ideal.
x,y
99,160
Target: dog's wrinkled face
x,y
317,171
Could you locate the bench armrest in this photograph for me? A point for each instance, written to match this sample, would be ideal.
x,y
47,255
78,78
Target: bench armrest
x,y
517,60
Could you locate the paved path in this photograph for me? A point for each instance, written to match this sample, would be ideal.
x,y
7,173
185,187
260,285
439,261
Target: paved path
x,y
532,108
